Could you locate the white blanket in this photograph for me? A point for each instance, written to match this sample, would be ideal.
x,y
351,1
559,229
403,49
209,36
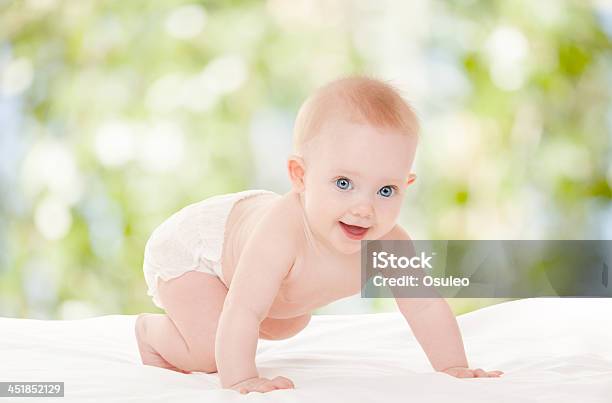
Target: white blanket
x,y
552,350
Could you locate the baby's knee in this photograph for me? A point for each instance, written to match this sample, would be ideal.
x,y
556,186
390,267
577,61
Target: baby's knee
x,y
279,329
298,324
201,362
202,354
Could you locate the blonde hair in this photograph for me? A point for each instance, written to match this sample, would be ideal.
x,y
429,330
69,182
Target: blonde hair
x,y
358,99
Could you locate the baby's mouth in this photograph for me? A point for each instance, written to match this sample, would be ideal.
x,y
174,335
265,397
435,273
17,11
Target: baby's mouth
x,y
353,231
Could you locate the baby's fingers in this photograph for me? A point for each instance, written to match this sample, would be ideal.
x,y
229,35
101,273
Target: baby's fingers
x,y
495,374
277,383
480,373
266,387
462,373
283,383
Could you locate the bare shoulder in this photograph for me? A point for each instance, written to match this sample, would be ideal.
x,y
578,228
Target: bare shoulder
x,y
282,220
289,204
396,233
287,210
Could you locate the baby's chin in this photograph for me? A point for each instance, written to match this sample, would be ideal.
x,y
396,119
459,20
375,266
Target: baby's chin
x,y
345,245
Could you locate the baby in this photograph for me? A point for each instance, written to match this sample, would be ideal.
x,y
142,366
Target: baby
x,y
254,264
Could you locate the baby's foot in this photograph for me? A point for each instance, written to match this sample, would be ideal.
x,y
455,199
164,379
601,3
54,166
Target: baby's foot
x,y
148,355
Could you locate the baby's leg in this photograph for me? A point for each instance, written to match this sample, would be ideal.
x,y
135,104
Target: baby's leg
x,y
149,356
185,337
278,329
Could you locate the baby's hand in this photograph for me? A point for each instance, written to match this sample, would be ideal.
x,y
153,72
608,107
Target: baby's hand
x,y
262,385
463,372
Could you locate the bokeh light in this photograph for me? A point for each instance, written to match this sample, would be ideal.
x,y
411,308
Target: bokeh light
x,y
114,115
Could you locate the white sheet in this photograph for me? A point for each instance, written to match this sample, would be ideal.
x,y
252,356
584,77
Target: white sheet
x,y
552,350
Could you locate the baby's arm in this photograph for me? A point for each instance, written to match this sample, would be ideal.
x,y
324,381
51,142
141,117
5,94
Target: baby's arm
x,y
435,327
265,261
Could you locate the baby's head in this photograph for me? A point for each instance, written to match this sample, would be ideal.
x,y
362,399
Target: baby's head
x,y
354,144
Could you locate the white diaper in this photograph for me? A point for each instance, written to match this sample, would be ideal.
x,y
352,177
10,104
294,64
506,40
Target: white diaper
x,y
190,240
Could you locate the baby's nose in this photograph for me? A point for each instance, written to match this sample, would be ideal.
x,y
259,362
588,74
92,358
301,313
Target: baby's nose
x,y
363,210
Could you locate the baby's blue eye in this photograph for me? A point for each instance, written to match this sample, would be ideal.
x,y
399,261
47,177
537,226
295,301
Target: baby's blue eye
x,y
343,183
386,191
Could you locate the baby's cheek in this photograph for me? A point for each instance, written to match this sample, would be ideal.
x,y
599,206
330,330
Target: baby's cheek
x,y
396,209
328,203
389,218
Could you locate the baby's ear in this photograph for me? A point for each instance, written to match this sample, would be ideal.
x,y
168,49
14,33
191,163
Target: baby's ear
x,y
295,166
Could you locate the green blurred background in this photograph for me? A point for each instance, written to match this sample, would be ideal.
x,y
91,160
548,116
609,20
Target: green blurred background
x,y
113,115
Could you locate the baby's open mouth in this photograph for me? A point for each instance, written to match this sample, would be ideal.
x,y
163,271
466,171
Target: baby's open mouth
x,y
353,231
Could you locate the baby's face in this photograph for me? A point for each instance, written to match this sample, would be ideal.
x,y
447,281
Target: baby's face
x,y
354,182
